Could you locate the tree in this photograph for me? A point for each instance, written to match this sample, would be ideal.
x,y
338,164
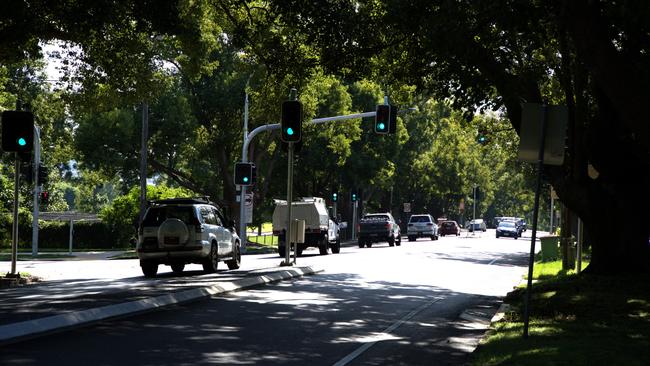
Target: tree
x,y
590,55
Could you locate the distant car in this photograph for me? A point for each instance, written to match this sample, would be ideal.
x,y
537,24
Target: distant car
x,y
179,231
477,224
508,228
449,228
374,228
422,226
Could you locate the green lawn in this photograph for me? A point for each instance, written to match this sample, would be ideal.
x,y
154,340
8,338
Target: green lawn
x,y
574,320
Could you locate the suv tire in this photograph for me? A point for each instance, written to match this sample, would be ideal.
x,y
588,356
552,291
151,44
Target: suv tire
x,y
361,243
391,241
235,262
178,267
399,240
149,269
210,264
336,247
322,246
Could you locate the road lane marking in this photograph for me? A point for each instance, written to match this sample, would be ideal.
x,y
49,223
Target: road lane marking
x,y
385,334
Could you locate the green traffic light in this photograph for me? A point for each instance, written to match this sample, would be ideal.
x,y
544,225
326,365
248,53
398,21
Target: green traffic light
x,y
22,141
290,131
245,179
381,126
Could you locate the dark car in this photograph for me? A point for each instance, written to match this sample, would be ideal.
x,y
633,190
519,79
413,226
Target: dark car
x,y
508,228
449,228
374,228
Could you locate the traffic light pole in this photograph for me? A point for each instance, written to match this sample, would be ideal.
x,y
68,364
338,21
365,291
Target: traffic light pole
x,y
287,234
14,231
35,166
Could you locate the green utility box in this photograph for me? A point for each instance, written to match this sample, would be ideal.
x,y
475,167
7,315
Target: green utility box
x,y
550,247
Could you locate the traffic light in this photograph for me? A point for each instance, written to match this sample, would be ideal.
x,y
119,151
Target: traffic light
x,y
482,137
18,132
335,196
392,125
291,121
45,198
353,196
27,172
382,119
43,174
244,174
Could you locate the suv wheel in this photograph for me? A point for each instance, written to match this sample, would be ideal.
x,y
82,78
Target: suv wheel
x,y
235,262
411,238
336,247
149,269
322,246
399,240
391,241
178,267
361,243
210,264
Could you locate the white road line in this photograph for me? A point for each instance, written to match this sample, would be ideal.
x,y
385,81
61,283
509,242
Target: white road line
x,y
345,360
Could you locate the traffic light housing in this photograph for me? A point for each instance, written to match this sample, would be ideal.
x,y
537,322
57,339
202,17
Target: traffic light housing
x,y
392,123
291,121
382,119
354,196
482,137
245,174
27,172
43,175
45,198
18,132
335,196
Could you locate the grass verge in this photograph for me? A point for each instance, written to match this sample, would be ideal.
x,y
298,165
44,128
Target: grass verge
x,y
574,320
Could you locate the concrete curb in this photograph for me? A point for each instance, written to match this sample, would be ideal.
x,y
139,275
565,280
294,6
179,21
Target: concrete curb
x,y
11,333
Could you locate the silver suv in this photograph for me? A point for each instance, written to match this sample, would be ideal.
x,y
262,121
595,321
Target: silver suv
x,y
179,231
422,226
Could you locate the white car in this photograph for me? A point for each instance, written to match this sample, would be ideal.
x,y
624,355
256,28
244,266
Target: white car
x,y
179,231
422,226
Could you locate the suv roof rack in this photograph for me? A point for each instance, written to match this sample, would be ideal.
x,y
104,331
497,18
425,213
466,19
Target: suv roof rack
x,y
180,201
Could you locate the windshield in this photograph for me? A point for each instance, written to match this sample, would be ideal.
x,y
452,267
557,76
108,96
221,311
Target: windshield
x,y
420,219
506,224
375,218
157,215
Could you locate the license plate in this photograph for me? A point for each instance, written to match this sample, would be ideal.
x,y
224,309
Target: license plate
x,y
171,240
374,234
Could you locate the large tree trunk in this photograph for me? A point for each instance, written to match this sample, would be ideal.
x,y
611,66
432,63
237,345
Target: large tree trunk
x,y
616,221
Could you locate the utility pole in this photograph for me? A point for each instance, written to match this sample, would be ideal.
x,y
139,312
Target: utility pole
x,y
143,160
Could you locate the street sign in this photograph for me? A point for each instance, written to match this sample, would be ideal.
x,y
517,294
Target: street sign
x,y
248,208
531,121
407,206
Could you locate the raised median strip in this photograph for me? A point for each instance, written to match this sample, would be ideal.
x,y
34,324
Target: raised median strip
x,y
32,328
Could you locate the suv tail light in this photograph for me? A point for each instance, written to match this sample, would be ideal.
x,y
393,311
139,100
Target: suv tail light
x,y
197,225
358,228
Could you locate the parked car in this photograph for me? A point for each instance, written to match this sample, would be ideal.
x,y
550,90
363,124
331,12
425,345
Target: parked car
x,y
477,224
449,228
179,231
374,228
422,226
508,228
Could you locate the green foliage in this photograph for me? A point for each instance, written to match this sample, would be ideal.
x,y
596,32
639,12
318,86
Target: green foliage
x,y
122,215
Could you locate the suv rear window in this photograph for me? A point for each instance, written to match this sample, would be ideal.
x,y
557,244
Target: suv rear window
x,y
157,215
375,218
420,219
448,224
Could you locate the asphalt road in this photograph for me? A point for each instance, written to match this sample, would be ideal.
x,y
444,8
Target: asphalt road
x,y
413,304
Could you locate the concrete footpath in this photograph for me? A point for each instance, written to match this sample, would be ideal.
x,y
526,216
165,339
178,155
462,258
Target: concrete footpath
x,y
51,306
